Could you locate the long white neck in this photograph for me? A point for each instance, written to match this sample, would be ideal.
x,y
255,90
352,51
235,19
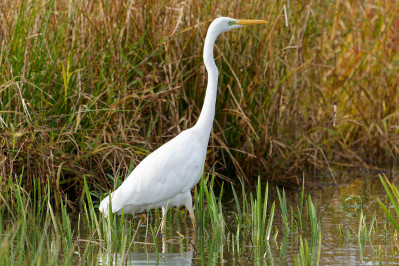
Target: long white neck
x,y
205,120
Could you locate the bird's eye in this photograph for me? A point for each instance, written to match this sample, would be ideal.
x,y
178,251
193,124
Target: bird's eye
x,y
230,23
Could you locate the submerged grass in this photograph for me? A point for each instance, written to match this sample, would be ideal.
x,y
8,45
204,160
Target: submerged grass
x,y
33,232
255,222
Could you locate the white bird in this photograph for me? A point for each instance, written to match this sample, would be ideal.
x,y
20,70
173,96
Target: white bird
x,y
165,177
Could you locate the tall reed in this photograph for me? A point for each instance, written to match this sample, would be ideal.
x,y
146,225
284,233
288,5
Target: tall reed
x,y
87,86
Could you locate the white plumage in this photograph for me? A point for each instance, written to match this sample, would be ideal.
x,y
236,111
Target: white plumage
x,y
165,177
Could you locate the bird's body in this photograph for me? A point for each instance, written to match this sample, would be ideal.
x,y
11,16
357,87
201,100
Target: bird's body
x,y
161,169
165,177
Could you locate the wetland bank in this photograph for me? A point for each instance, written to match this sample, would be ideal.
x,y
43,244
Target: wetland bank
x,y
88,89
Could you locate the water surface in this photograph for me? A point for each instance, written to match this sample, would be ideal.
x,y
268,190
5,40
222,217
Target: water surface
x,y
339,209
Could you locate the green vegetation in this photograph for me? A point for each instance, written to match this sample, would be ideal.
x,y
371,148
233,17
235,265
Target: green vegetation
x,y
88,88
34,232
393,196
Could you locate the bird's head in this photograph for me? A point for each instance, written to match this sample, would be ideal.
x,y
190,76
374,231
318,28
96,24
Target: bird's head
x,y
224,24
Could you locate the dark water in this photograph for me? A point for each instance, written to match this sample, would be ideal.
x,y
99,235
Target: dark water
x,y
338,210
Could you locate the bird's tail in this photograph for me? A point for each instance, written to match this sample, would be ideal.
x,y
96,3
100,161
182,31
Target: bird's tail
x,y
104,205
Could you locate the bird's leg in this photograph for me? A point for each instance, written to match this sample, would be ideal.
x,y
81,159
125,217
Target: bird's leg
x,y
192,217
189,205
163,223
192,241
164,244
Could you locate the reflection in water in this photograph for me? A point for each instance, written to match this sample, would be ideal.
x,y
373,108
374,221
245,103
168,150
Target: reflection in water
x,y
152,258
161,259
339,210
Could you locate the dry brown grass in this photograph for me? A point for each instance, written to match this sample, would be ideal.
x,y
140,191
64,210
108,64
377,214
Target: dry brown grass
x,y
88,88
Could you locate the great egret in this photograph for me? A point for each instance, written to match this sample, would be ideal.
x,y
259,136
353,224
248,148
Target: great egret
x,y
165,177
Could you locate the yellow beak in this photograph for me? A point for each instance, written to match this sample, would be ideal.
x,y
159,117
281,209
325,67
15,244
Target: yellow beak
x,y
246,22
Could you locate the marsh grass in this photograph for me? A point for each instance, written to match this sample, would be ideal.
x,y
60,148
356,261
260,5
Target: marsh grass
x,y
34,232
303,224
88,89
254,222
393,198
